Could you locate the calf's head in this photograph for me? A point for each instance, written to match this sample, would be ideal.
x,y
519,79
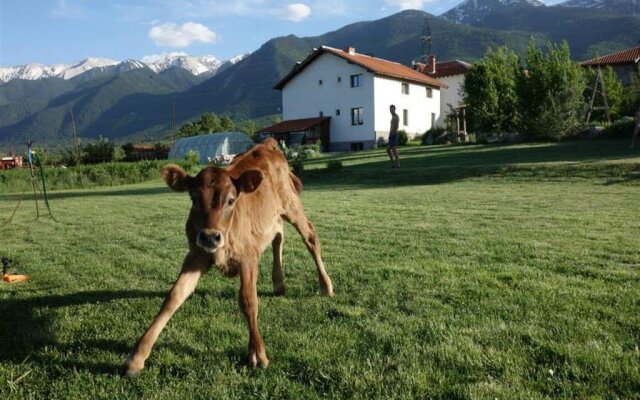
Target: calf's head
x,y
214,193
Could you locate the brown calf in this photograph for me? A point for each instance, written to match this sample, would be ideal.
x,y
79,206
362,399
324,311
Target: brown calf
x,y
236,213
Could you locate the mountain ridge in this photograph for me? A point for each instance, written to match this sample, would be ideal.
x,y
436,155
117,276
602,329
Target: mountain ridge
x,y
197,65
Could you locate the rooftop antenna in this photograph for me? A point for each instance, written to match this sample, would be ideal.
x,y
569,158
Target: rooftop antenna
x,y
425,38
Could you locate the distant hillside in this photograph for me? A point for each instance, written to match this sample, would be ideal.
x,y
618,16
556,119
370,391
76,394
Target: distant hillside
x,y
624,7
89,99
589,32
474,11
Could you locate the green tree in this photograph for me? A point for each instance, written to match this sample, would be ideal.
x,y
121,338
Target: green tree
x,y
189,129
226,124
631,96
490,92
98,152
249,127
209,122
550,93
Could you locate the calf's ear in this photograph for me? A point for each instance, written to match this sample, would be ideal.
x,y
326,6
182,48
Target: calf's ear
x,y
176,178
248,181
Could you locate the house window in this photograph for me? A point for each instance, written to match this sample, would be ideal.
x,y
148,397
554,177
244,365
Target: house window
x,y
356,80
339,79
429,92
356,146
357,116
337,112
433,120
405,88
320,82
405,117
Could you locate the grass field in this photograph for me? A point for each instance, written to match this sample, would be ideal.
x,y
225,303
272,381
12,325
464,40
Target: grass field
x,y
508,272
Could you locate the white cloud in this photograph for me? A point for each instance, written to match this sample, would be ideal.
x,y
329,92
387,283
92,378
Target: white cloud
x,y
407,4
295,12
172,35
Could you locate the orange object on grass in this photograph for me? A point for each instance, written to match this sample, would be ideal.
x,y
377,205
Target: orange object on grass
x,y
14,278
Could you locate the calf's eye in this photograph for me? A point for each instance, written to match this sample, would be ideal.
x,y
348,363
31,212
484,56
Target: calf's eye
x,y
230,202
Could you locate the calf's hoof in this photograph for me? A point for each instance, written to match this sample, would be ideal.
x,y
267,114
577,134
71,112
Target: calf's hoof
x,y
258,360
326,288
279,291
130,368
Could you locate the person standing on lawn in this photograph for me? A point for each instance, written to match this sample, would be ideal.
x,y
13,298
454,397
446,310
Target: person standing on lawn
x,y
392,145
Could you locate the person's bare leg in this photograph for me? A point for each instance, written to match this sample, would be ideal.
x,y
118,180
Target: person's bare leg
x,y
396,158
390,154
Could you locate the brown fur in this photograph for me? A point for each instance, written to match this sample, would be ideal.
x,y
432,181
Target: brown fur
x,y
237,212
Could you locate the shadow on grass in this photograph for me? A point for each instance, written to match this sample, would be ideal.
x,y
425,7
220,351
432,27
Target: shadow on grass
x,y
27,330
100,192
26,326
427,165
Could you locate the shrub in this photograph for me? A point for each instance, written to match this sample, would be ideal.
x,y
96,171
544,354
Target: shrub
x,y
432,136
619,129
98,152
309,150
192,158
403,138
334,165
296,165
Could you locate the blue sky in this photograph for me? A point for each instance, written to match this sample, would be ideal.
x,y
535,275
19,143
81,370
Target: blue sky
x,y
65,31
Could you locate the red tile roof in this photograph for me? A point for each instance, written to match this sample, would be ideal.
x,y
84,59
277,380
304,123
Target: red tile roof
x,y
295,125
449,68
375,65
629,56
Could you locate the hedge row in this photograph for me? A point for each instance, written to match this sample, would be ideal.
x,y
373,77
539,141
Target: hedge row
x,y
88,176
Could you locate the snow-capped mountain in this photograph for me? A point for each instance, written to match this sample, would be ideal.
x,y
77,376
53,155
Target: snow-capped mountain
x,y
207,65
627,7
64,71
195,65
473,11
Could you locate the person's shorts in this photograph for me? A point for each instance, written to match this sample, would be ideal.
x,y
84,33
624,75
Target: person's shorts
x,y
393,141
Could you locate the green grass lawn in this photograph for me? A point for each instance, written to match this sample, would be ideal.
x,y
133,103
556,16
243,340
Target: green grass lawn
x,y
508,272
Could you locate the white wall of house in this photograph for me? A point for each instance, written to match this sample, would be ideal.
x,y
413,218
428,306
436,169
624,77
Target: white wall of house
x,y
451,95
305,97
418,106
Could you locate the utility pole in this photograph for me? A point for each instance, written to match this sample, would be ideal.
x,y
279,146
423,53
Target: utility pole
x,y
174,123
425,38
75,139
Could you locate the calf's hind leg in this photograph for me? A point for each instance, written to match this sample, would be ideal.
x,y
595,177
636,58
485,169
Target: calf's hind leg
x,y
277,274
308,233
192,270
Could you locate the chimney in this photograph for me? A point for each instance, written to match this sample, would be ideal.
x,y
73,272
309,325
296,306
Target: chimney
x,y
350,50
431,65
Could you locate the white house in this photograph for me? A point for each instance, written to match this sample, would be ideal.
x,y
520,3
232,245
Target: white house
x,y
452,74
343,98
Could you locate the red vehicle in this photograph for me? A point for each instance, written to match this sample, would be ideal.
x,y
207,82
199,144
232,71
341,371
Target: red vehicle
x,y
11,162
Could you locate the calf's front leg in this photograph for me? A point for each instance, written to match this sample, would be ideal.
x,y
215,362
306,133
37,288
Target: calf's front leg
x,y
192,269
248,301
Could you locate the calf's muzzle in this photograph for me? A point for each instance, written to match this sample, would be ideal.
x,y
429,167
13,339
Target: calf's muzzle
x,y
210,240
